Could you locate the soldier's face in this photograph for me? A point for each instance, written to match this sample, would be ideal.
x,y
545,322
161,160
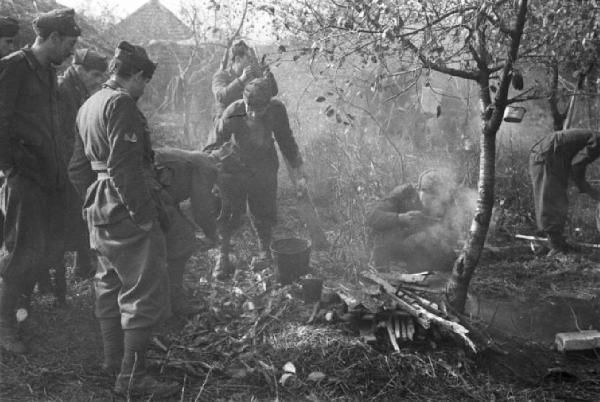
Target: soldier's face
x,y
254,112
138,85
7,45
433,204
63,47
241,63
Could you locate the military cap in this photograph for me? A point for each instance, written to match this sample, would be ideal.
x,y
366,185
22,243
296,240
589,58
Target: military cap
x,y
258,92
8,27
61,20
90,60
135,56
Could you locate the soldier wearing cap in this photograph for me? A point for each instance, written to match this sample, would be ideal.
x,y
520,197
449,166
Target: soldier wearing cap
x,y
228,84
245,146
79,81
30,161
409,225
112,164
9,27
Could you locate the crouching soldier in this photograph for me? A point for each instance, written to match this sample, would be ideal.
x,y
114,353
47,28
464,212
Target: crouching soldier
x,y
410,225
186,175
248,175
552,161
124,215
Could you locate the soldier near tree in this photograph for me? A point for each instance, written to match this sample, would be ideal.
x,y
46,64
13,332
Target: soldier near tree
x,y
245,144
552,161
228,84
411,226
32,196
126,220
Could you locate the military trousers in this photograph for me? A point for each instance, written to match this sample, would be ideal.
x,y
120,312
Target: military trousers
x,y
254,189
33,228
131,281
550,184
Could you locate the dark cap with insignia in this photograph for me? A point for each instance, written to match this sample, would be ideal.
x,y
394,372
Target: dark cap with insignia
x,y
61,20
90,60
8,27
135,56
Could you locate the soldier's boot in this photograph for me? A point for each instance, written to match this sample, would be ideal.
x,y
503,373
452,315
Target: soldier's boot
x,y
179,304
558,244
82,264
133,381
112,343
224,268
10,293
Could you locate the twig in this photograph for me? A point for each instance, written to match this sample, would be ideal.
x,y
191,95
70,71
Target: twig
x,y
203,385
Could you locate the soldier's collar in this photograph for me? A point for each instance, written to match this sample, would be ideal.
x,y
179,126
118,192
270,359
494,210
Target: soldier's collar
x,y
33,63
112,84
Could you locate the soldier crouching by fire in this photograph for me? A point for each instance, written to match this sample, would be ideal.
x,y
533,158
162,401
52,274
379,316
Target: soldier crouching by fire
x,y
411,226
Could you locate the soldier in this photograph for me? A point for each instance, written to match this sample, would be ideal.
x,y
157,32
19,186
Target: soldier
x,y
125,217
249,166
552,161
9,27
32,195
186,175
79,81
228,85
409,225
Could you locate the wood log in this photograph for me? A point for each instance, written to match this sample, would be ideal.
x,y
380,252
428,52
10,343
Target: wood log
x,y
421,314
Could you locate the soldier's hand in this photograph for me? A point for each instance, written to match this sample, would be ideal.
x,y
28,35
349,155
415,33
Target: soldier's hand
x,y
146,227
413,218
247,74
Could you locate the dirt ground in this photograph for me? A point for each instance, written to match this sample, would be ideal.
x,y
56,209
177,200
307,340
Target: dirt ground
x,y
247,330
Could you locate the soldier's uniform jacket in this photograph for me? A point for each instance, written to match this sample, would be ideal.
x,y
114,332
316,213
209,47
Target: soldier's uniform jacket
x,y
383,214
72,93
228,88
29,120
253,139
189,175
114,139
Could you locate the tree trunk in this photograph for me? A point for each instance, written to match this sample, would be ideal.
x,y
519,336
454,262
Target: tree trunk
x,y
492,114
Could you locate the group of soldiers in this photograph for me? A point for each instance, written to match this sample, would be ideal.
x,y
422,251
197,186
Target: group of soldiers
x,y
80,174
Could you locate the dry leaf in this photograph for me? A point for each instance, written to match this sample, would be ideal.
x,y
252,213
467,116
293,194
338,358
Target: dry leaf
x,y
289,368
285,378
316,376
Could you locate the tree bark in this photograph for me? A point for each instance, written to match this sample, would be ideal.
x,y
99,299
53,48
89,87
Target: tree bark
x,y
492,114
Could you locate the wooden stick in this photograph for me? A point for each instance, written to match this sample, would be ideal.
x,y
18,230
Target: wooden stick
x,y
537,238
422,315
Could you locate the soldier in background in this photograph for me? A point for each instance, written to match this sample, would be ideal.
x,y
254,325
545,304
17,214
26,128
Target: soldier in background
x,y
228,85
32,197
79,81
248,177
126,220
186,175
552,161
409,225
9,27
